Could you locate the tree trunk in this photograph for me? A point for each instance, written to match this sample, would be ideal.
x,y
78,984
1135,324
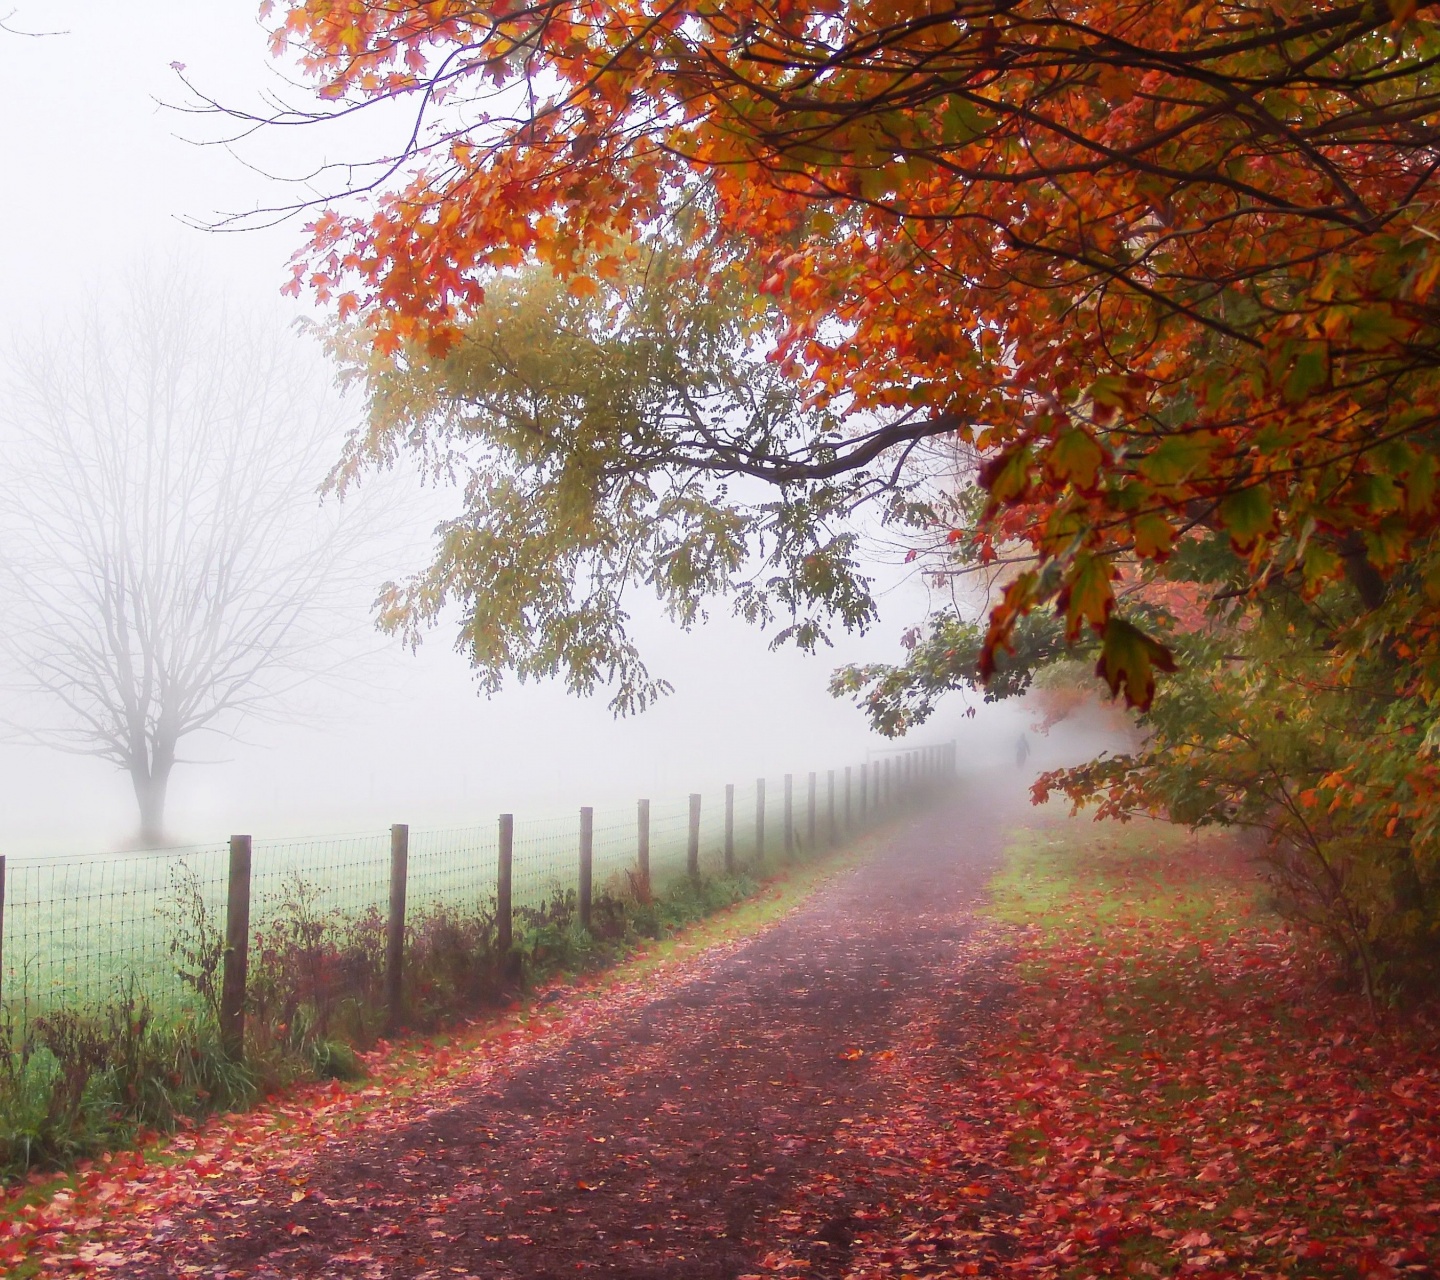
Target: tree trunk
x,y
150,786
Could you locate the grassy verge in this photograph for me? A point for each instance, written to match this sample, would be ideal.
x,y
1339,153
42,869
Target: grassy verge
x,y
1181,1091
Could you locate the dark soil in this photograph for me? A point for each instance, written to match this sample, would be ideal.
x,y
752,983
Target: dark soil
x,y
684,1136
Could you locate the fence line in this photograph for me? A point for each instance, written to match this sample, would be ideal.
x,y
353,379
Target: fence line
x,y
75,931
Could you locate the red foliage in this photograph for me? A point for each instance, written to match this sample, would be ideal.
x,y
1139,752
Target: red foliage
x,y
1139,1099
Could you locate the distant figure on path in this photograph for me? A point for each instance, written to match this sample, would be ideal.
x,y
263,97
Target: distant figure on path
x,y
1022,751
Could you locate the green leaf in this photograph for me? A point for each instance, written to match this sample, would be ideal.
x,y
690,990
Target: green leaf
x,y
1076,459
877,183
1153,536
1008,476
1419,482
1321,564
1387,543
1430,582
1377,327
962,121
1109,391
1306,373
1176,458
1247,515
1374,494
1087,595
1128,661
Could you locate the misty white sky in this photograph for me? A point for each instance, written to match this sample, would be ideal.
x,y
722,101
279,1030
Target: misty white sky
x,y
96,181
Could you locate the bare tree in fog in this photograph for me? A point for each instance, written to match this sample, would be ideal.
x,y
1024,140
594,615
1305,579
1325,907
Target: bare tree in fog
x,y
165,565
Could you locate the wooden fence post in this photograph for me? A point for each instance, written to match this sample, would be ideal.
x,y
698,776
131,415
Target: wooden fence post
x,y
505,888
810,814
729,828
832,834
395,928
587,863
692,844
789,814
642,845
237,951
759,820
864,791
847,797
887,791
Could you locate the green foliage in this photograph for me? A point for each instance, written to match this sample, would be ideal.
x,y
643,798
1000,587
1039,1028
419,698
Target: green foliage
x,y
1129,659
1298,714
197,946
945,658
336,1060
1303,708
75,1083
602,443
550,940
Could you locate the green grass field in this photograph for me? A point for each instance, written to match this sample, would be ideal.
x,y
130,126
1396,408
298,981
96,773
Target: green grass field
x,y
78,931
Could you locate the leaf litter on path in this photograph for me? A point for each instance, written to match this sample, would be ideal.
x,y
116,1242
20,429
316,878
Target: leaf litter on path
x,y
881,1084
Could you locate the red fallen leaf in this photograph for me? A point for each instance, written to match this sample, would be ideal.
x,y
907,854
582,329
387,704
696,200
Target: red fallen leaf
x,y
849,1055
295,1229
587,1186
1194,1240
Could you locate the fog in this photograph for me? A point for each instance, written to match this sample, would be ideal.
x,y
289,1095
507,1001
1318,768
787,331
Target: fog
x,y
99,184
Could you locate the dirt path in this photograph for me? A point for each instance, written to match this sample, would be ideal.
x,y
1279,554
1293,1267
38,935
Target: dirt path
x,y
685,1134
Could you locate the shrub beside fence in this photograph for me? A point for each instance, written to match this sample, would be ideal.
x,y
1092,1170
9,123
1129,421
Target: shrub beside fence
x,y
184,930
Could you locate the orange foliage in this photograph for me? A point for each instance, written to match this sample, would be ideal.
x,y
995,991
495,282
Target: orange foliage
x,y
1169,266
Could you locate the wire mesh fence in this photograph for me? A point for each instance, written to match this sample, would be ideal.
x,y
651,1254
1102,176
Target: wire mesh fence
x,y
669,834
81,932
545,858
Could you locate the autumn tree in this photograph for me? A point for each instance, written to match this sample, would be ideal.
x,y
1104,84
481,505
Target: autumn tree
x,y
1166,269
164,565
1167,264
